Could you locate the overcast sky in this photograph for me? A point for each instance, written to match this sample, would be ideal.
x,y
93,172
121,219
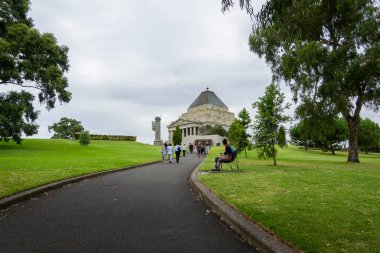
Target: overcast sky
x,y
133,60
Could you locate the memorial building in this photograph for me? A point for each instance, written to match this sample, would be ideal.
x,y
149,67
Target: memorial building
x,y
207,109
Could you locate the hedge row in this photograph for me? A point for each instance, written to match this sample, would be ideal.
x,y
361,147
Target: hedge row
x,y
112,137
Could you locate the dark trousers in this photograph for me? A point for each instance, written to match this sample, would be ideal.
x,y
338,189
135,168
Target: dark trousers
x,y
184,153
177,154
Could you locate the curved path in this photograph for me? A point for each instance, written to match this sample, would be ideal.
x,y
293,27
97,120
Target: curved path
x,y
148,209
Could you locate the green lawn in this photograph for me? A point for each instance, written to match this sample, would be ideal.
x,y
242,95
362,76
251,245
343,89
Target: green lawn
x,y
38,162
314,200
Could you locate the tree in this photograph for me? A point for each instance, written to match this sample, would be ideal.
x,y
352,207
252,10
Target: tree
x,y
16,116
244,4
66,128
236,134
84,138
327,49
245,120
320,124
177,136
332,134
211,130
300,134
369,135
267,121
28,59
281,137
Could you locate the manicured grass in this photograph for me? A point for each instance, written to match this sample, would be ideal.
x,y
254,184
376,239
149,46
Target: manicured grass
x,y
38,162
314,200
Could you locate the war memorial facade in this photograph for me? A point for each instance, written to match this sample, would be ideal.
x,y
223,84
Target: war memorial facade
x,y
207,109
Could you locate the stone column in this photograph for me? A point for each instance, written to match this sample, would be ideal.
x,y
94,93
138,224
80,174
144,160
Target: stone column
x,y
156,126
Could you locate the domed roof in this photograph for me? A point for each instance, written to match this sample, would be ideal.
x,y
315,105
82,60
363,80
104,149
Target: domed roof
x,y
207,98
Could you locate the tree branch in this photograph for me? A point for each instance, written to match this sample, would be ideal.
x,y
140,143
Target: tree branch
x,y
22,85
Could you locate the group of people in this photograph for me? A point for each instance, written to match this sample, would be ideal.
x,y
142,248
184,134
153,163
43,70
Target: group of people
x,y
200,150
167,151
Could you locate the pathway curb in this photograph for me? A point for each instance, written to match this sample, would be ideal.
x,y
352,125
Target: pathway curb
x,y
21,196
250,231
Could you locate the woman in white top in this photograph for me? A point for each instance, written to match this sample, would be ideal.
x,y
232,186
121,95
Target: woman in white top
x,y
164,152
170,152
184,149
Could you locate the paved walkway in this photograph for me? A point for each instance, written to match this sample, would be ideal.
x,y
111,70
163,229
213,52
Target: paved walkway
x,y
147,209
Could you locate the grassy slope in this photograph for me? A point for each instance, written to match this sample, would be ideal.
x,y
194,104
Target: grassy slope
x,y
316,201
38,162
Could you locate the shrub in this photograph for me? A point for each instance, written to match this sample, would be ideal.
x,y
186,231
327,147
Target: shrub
x,y
112,137
84,138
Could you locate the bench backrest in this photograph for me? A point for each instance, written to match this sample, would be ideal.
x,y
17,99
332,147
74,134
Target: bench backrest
x,y
234,154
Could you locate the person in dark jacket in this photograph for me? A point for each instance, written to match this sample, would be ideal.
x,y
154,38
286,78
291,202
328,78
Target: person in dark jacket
x,y
224,157
177,151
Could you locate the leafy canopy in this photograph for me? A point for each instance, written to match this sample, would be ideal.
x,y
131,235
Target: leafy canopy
x,y
237,134
369,135
325,50
66,128
28,59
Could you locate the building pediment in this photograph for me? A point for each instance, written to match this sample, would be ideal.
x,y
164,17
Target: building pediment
x,y
181,122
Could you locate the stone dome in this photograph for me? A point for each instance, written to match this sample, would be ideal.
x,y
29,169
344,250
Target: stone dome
x,y
208,98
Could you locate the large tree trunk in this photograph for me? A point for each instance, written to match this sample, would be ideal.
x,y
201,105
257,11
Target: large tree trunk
x,y
332,149
353,129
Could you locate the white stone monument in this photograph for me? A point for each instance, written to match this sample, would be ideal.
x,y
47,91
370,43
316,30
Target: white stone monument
x,y
156,126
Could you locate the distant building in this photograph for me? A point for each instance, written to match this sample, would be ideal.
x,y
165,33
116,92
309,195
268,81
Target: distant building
x,y
207,109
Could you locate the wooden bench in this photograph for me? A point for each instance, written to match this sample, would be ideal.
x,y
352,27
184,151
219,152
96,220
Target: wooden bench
x,y
233,162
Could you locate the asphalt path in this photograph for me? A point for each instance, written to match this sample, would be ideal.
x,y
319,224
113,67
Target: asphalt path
x,y
148,209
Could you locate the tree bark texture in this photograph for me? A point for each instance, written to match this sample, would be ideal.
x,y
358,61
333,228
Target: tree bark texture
x,y
353,129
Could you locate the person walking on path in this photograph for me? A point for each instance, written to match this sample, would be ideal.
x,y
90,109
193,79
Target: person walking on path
x,y
170,152
191,147
184,149
177,152
164,151
199,150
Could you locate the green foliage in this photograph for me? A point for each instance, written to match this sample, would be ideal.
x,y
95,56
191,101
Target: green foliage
x,y
177,136
214,130
244,4
330,53
17,116
237,134
281,137
267,121
66,128
29,59
328,135
244,118
369,135
84,138
333,134
300,134
112,137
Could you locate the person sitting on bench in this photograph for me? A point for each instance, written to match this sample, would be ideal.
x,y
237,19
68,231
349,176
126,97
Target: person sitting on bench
x,y
224,157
